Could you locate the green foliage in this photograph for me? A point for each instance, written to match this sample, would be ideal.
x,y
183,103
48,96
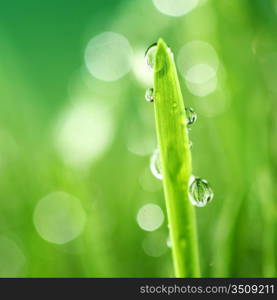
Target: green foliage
x,y
43,75
173,142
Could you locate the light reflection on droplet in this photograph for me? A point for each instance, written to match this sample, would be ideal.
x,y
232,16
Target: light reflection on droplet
x,y
149,95
141,71
150,56
200,193
150,217
108,56
175,8
59,218
155,164
191,116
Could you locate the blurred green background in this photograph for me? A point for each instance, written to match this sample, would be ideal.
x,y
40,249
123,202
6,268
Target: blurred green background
x,y
77,197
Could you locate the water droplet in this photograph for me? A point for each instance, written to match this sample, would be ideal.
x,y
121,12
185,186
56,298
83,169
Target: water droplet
x,y
149,95
150,56
190,144
191,116
155,164
200,193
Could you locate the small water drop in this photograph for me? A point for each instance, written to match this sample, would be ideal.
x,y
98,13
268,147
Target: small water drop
x,y
149,95
150,56
190,144
155,164
191,116
200,193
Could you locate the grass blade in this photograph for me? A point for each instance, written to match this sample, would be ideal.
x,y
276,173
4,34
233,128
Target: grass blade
x,y
175,158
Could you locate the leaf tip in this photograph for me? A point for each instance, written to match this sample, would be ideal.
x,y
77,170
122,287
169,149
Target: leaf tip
x,y
162,57
162,44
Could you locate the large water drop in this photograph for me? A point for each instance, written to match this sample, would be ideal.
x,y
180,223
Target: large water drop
x,y
149,95
150,56
191,116
200,193
155,164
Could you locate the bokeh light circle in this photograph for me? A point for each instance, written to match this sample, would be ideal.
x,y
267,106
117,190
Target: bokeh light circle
x,y
12,260
202,89
108,56
150,217
59,218
175,8
83,132
200,73
197,53
198,63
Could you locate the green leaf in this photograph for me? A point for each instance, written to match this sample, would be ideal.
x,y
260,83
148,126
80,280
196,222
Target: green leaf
x,y
173,142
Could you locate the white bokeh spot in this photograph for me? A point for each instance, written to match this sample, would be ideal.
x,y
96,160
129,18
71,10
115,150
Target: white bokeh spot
x,y
108,56
12,260
198,63
59,218
197,53
200,73
150,217
83,132
203,89
175,8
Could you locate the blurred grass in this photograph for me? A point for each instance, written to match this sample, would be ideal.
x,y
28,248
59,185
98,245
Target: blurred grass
x,y
41,55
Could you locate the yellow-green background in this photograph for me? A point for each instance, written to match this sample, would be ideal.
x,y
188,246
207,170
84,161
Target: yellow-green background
x,y
42,48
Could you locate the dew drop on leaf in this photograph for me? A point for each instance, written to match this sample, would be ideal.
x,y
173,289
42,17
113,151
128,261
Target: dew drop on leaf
x,y
150,56
191,116
155,164
200,193
149,95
